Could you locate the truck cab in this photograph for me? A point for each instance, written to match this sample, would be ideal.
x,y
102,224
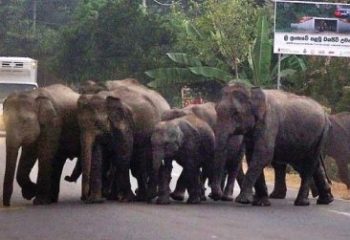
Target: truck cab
x,y
17,74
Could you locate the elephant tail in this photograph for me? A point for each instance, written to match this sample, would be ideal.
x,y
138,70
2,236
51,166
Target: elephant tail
x,y
325,137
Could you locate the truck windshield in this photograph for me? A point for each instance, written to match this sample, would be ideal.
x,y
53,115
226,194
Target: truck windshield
x,y
8,88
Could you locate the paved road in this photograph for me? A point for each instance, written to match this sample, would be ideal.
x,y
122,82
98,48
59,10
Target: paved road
x,y
70,219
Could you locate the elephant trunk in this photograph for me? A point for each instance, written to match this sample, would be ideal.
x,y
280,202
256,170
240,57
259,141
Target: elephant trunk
x,y
87,141
11,161
158,157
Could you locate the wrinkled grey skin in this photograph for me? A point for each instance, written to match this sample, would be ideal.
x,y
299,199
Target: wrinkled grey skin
x,y
277,127
43,122
338,144
207,113
118,123
190,141
337,147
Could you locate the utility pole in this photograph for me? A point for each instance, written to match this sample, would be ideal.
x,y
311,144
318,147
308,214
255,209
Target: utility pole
x,y
34,17
144,4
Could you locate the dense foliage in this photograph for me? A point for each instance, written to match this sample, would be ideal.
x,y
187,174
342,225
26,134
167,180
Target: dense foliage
x,y
198,43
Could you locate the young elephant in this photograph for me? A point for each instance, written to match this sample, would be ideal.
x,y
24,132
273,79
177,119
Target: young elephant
x,y
190,141
207,113
43,122
277,127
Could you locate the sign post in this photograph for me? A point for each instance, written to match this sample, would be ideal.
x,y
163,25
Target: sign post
x,y
311,28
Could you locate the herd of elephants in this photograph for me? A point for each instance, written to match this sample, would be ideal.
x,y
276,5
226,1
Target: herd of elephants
x,y
117,126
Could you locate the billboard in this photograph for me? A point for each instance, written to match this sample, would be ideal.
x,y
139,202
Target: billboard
x,y
312,28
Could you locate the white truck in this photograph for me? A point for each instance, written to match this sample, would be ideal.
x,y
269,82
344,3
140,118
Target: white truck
x,y
16,74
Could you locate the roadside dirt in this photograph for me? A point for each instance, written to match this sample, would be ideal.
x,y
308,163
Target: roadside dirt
x,y
339,189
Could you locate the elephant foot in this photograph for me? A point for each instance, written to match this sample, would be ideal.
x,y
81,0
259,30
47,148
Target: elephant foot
x,y
41,201
301,202
216,193
194,200
261,201
92,200
177,196
28,193
152,194
141,196
129,197
325,200
215,196
203,198
163,200
276,194
227,198
244,198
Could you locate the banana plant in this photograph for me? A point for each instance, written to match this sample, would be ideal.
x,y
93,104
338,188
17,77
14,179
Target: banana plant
x,y
190,71
260,57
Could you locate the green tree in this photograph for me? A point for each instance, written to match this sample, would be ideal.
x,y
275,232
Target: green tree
x,y
111,40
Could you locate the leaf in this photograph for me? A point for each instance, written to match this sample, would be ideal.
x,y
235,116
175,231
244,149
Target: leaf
x,y
287,72
261,53
211,72
170,75
184,59
192,31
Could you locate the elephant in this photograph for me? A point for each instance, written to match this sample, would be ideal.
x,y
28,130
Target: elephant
x,y
277,127
186,135
190,141
43,122
336,147
118,123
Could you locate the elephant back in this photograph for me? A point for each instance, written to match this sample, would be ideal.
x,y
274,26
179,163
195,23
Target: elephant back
x,y
205,112
339,135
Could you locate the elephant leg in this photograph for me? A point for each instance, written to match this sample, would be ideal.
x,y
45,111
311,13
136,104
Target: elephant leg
x,y
343,170
256,166
302,198
165,177
26,163
47,149
179,193
192,176
280,187
56,177
313,188
75,173
228,191
11,160
261,196
324,190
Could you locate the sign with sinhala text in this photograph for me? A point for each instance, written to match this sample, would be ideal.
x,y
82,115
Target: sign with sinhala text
x,y
312,28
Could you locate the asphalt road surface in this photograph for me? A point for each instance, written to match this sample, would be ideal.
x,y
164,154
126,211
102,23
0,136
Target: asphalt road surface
x,y
70,219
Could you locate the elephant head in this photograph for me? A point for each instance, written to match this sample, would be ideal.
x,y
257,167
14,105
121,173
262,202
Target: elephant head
x,y
25,115
239,112
167,139
103,119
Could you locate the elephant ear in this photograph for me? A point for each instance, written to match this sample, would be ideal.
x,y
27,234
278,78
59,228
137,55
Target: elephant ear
x,y
258,100
119,112
47,113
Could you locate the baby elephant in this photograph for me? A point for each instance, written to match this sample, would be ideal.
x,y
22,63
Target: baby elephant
x,y
190,141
